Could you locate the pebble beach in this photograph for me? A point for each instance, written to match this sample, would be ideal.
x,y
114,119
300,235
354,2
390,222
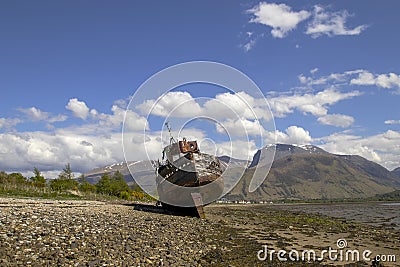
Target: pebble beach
x,y
37,232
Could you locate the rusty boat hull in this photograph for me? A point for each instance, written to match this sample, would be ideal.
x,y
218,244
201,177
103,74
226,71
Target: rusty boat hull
x,y
189,180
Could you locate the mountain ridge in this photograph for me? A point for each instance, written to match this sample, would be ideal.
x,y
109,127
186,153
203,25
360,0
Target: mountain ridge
x,y
309,172
297,172
396,172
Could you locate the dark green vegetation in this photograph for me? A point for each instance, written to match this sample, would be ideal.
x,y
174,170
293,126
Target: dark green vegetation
x,y
392,196
110,186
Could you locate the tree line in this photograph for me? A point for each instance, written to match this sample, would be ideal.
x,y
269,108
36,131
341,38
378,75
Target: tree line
x,y
113,185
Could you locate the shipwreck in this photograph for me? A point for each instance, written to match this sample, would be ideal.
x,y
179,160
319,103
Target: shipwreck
x,y
187,179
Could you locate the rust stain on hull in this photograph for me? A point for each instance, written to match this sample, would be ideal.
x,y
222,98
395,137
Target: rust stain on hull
x,y
185,166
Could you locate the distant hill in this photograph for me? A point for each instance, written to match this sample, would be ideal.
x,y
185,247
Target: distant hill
x,y
146,169
298,172
143,169
234,162
391,196
309,172
396,172
284,150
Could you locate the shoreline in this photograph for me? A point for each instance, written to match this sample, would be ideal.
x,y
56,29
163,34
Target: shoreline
x,y
95,233
311,203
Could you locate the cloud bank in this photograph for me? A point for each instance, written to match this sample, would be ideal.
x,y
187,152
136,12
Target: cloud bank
x,y
96,141
279,17
283,19
331,23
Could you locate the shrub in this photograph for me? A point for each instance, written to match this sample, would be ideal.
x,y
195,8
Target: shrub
x,y
87,187
63,184
124,195
103,186
38,180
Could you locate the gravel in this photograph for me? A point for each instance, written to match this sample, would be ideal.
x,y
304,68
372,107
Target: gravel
x,y
92,233
89,233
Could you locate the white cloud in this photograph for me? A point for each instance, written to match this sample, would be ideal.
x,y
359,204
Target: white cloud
x,y
333,78
303,79
249,45
239,112
250,41
108,123
364,78
123,103
57,118
6,123
383,148
338,120
387,81
176,104
313,71
315,104
354,77
279,17
223,106
241,127
392,122
390,80
113,120
52,150
35,114
239,108
78,108
139,147
282,19
134,122
239,105
99,142
2,122
85,146
331,23
240,149
293,135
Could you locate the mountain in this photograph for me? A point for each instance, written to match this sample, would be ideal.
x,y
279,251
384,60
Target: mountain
x,y
297,172
284,150
233,162
309,172
143,169
391,196
396,172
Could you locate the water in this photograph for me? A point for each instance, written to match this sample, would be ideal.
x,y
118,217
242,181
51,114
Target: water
x,y
391,204
372,213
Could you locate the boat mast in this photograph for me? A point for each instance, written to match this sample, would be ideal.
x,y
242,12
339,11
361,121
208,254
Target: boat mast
x,y
171,138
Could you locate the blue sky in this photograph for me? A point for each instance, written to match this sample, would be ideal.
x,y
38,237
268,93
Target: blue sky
x,y
330,71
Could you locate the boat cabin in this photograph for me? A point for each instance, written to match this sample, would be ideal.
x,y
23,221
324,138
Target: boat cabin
x,y
175,150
